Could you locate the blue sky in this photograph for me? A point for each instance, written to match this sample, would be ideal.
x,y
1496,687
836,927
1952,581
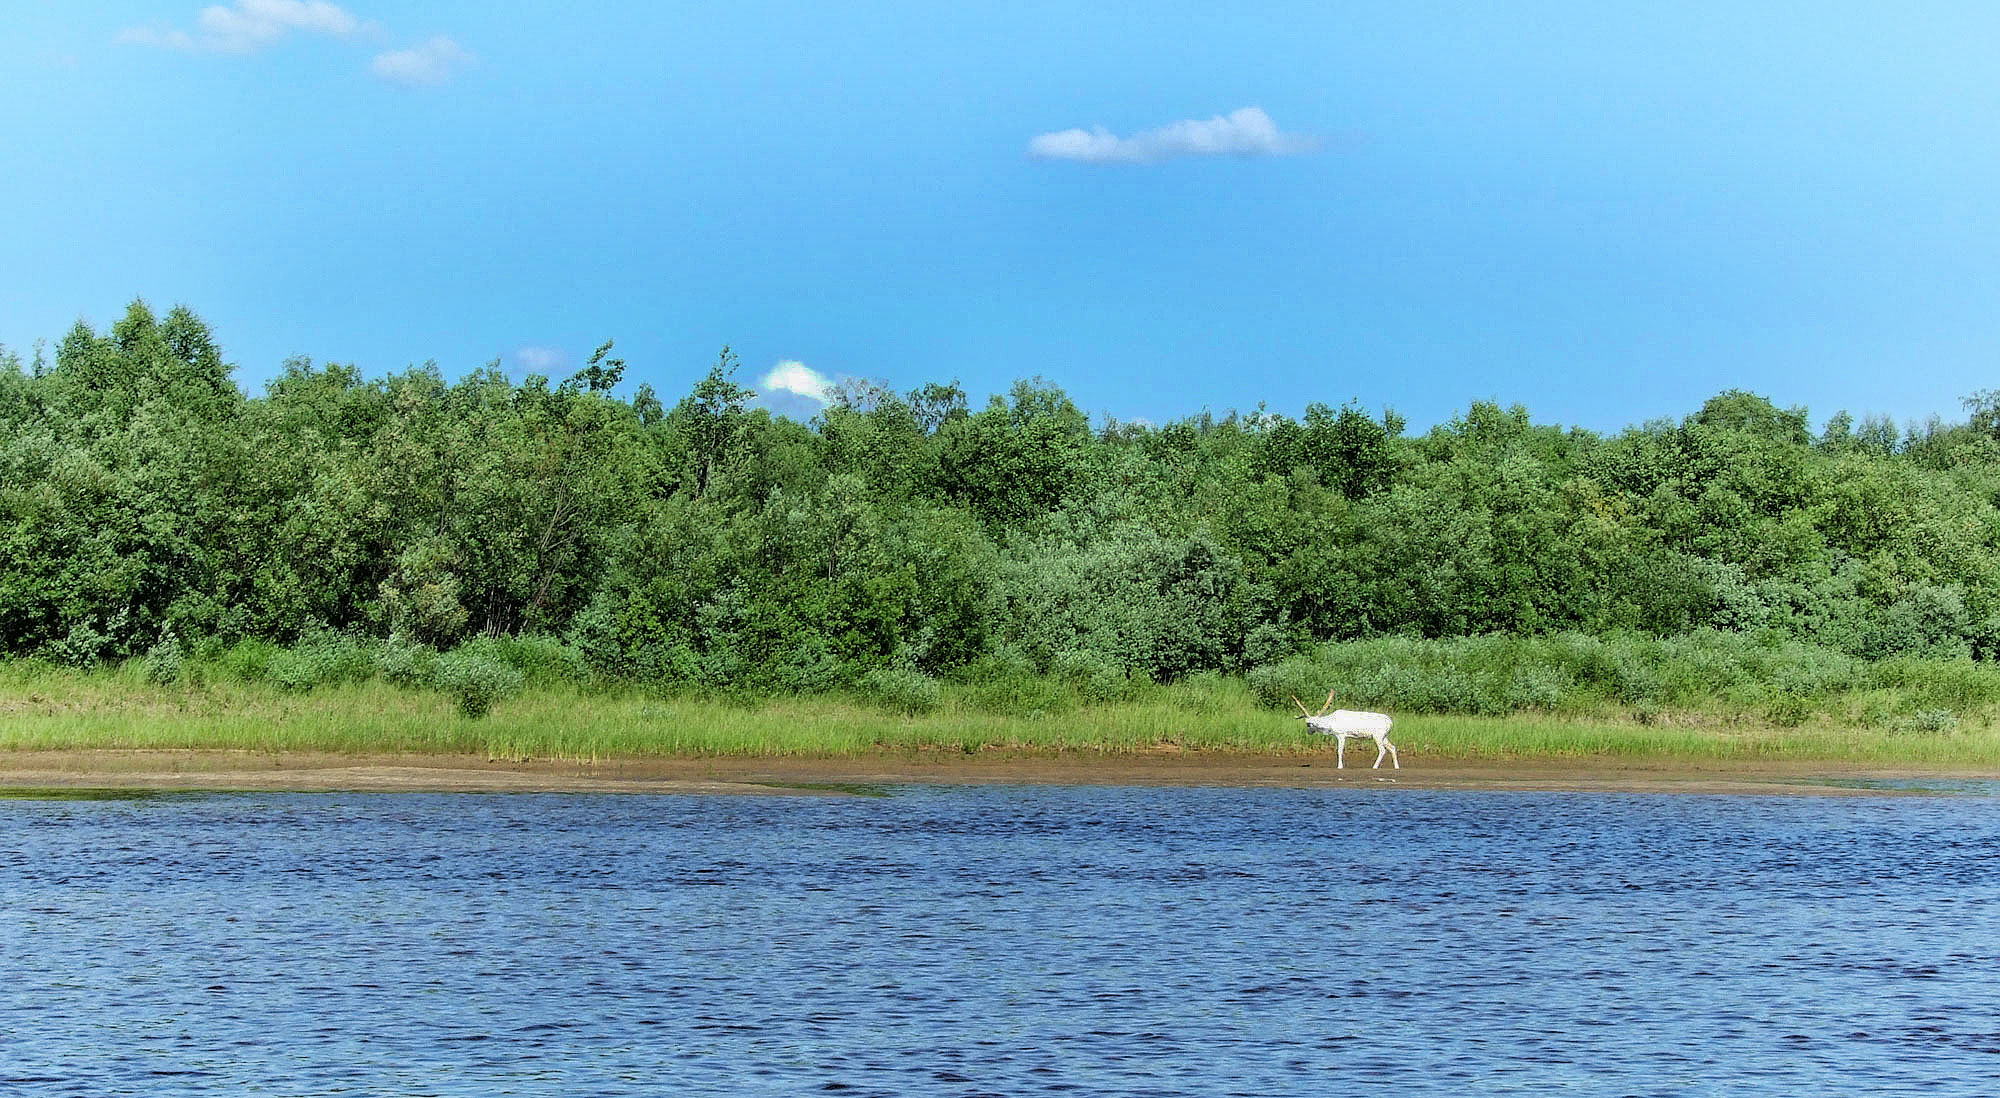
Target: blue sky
x,y
1604,214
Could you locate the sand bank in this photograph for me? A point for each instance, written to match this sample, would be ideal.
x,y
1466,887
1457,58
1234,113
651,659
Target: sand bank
x,y
244,770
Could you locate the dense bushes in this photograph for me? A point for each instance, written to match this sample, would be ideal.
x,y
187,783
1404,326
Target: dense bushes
x,y
322,658
905,691
1128,603
165,662
1576,672
476,675
1702,676
339,527
1780,680
476,681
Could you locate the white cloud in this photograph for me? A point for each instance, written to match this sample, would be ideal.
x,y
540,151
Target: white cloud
x,y
541,360
251,25
166,38
432,62
796,377
254,24
1244,132
247,26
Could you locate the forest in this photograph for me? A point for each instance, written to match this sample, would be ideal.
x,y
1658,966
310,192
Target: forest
x,y
152,510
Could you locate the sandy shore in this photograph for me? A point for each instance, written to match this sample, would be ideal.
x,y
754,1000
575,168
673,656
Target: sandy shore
x,y
216,770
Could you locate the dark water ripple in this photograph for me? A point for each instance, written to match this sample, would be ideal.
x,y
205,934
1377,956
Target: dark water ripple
x,y
1001,941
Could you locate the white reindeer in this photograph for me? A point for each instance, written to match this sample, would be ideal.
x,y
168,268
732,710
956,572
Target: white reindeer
x,y
1342,723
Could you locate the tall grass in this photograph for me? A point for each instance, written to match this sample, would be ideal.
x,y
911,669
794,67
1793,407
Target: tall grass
x,y
1707,674
57,708
48,708
1705,695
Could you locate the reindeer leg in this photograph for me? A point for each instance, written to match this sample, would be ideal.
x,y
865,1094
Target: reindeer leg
x,y
1379,741
1340,753
1393,757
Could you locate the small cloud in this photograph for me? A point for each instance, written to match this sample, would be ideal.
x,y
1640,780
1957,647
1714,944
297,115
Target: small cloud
x,y
432,62
250,25
541,360
1245,132
254,24
165,38
796,377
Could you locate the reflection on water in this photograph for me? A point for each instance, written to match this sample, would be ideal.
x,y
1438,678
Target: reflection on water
x,y
1974,787
1003,941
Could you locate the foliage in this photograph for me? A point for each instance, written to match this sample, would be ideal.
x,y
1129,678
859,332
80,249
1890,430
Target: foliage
x,y
1128,602
109,709
165,662
902,690
1576,672
408,665
249,660
321,658
541,660
337,527
476,681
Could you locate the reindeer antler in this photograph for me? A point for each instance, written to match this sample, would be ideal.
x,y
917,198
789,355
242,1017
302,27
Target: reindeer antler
x,y
1303,711
1327,706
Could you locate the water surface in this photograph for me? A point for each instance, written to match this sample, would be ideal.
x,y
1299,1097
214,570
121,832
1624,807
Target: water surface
x,y
1001,941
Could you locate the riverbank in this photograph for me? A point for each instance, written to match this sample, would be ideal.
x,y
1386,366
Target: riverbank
x,y
69,772
72,728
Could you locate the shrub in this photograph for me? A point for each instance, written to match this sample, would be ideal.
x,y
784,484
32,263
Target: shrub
x,y
903,690
1275,684
476,681
1004,683
1926,621
541,660
249,660
1587,660
83,646
321,658
1160,606
207,649
165,662
1091,674
296,670
1813,672
1493,675
1204,693
1789,711
1634,679
421,597
1696,665
1933,720
808,666
411,666
1271,642
1939,684
1538,687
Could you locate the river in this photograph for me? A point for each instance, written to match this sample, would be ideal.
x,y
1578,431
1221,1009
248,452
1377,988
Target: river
x,y
1001,940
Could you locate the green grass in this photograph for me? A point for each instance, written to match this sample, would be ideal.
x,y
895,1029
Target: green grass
x,y
45,708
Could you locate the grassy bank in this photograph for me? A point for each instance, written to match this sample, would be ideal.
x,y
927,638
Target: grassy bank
x,y
47,708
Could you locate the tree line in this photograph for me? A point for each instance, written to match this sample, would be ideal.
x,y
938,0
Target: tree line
x,y
711,544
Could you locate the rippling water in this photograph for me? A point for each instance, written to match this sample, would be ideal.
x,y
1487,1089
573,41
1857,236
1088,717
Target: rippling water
x,y
1001,941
